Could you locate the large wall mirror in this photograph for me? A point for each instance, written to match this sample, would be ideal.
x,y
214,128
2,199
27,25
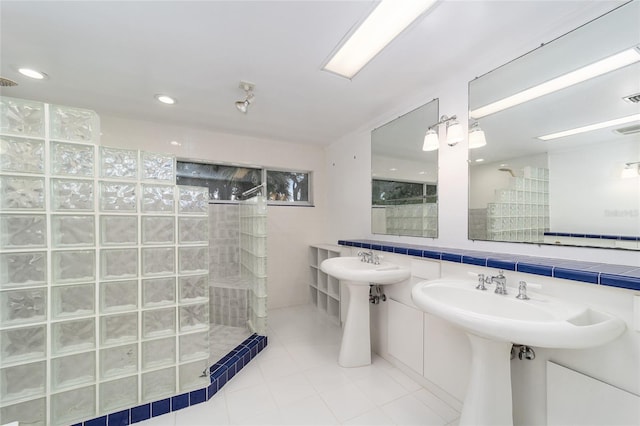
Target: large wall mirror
x,y
404,181
561,165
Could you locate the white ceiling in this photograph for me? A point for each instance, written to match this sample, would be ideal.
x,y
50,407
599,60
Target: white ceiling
x,y
113,57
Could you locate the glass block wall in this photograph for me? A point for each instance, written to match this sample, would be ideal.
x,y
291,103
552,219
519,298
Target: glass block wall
x,y
253,259
420,220
103,271
521,212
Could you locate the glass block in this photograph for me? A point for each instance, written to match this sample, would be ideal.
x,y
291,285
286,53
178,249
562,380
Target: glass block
x,y
72,159
23,344
157,230
23,306
118,163
118,230
192,230
20,269
120,328
118,296
158,261
158,292
72,300
193,259
22,381
31,413
117,394
194,346
67,194
118,196
21,155
194,317
157,199
72,406
118,263
158,322
159,352
73,336
73,266
194,375
119,361
20,117
73,370
73,124
194,288
23,231
158,166
158,384
21,193
193,200
72,231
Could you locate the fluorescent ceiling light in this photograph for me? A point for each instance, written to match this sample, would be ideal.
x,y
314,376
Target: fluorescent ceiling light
x,y
596,69
387,20
591,127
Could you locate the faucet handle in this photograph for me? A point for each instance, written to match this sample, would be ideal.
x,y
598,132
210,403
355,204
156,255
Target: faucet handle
x,y
481,282
522,291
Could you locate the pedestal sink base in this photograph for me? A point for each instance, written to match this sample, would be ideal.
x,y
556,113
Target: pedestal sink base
x,y
355,350
488,400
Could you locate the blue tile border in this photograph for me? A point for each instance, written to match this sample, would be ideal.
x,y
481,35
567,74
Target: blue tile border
x,y
620,276
219,374
593,236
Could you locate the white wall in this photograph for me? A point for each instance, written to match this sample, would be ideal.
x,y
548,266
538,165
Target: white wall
x,y
290,229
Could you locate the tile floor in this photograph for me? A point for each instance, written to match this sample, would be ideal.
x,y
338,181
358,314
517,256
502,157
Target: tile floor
x,y
296,381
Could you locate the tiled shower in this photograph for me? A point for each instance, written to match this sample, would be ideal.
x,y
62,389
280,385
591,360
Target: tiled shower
x,y
104,271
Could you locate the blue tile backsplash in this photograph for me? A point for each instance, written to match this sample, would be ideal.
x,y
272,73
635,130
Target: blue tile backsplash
x,y
219,373
621,276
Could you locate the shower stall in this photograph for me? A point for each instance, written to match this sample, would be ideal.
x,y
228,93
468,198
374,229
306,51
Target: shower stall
x,y
104,276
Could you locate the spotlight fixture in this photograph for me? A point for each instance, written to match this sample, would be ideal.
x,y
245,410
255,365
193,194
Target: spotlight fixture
x,y
454,133
31,73
477,138
168,100
243,106
630,170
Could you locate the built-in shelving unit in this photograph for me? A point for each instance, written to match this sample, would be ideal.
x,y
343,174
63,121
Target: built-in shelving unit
x,y
324,290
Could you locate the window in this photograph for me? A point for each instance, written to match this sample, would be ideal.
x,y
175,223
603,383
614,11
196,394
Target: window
x,y
388,192
227,183
288,186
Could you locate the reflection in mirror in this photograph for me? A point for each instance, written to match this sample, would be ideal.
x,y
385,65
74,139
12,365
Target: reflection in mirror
x,y
404,177
531,183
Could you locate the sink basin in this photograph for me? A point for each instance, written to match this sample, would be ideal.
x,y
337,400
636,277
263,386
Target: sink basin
x,y
541,321
352,269
494,322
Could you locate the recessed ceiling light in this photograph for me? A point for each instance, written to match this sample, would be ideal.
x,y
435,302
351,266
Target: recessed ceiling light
x,y
31,73
596,69
385,23
175,143
421,173
479,160
591,127
166,99
393,169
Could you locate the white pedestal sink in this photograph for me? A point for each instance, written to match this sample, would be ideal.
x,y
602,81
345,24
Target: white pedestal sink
x,y
493,322
355,349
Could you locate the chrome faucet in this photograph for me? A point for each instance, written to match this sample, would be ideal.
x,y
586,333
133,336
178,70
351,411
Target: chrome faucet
x,y
501,283
482,280
369,257
522,291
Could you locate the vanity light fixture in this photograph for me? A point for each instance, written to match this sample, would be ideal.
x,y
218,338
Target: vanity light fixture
x,y
384,23
603,66
454,133
243,105
477,138
591,127
630,170
168,100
